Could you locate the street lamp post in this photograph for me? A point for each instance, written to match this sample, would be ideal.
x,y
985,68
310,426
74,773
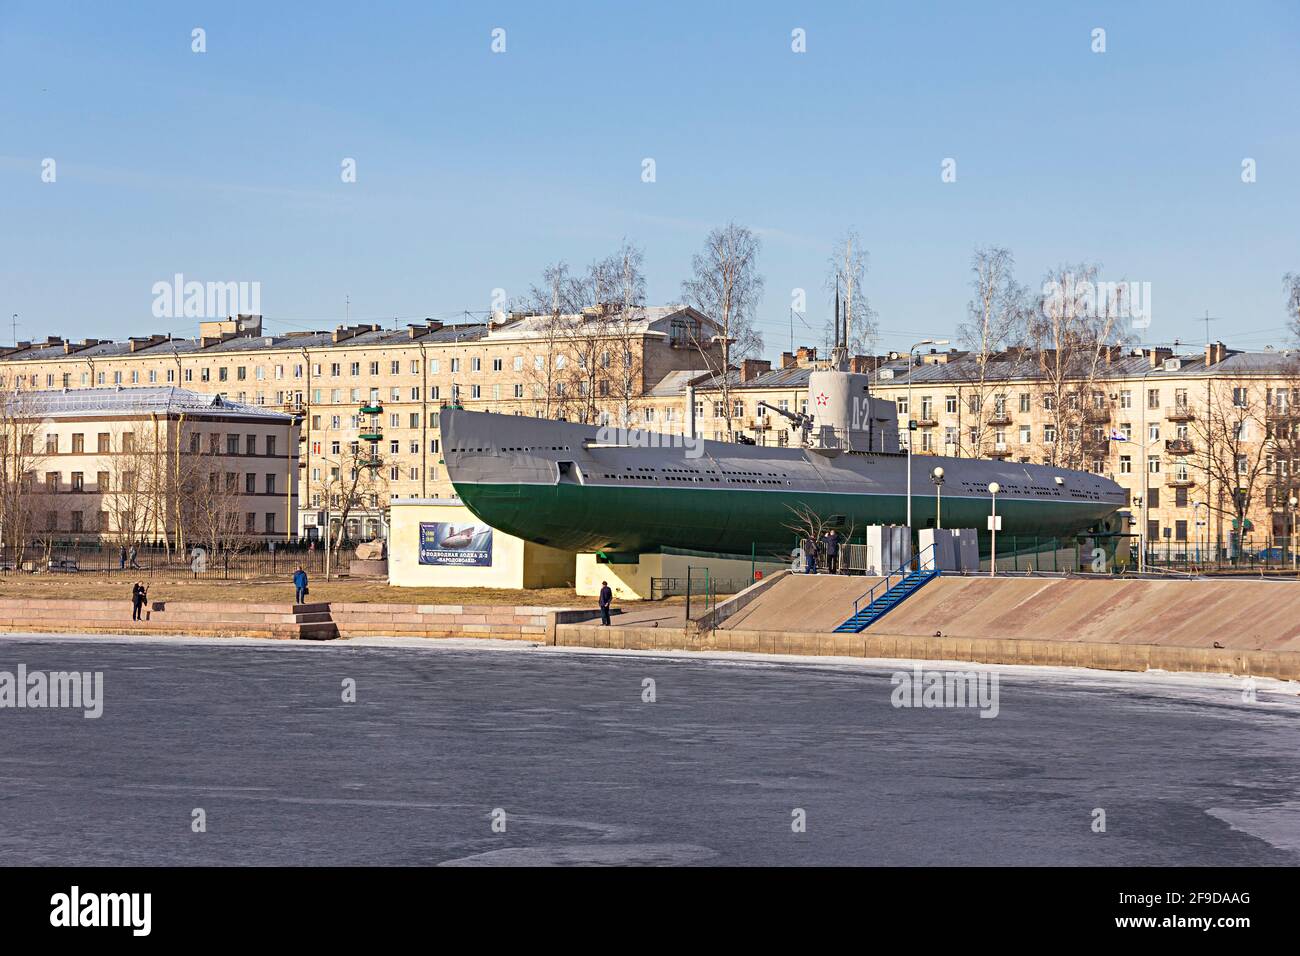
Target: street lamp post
x,y
911,422
1195,510
1291,537
937,477
994,488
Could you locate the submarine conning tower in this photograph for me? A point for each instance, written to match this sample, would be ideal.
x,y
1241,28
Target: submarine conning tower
x,y
846,417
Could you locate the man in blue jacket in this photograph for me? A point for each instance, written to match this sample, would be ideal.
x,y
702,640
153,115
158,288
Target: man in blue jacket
x,y
300,585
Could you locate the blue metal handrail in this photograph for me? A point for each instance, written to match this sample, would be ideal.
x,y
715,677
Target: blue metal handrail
x,y
902,571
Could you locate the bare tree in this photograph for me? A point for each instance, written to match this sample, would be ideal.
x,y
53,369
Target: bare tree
x,y
21,455
994,317
1282,407
846,275
550,302
1292,283
1235,447
725,286
357,482
139,483
211,501
1070,329
625,331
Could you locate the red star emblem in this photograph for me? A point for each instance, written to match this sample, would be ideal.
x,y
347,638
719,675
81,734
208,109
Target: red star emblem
x,y
821,399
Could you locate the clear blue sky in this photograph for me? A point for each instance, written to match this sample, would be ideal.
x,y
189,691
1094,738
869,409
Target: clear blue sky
x,y
476,169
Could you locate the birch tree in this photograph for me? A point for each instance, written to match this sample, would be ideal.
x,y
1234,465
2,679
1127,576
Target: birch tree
x,y
1069,330
846,275
1235,446
725,286
994,318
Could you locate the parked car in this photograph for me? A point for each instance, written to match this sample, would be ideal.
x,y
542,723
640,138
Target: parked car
x,y
1271,555
62,565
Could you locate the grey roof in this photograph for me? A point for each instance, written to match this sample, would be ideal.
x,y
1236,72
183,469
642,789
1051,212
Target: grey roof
x,y
251,343
963,368
161,400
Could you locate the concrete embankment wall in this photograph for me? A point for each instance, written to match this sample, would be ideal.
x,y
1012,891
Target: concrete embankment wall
x,y
1243,615
305,621
1127,657
200,619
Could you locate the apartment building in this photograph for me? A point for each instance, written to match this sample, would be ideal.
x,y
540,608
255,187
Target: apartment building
x,y
145,465
592,366
1205,443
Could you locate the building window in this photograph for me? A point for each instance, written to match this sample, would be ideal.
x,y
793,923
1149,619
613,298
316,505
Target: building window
x,y
78,481
270,522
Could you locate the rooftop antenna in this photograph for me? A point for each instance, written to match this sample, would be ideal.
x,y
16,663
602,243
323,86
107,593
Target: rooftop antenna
x,y
1207,320
15,320
347,309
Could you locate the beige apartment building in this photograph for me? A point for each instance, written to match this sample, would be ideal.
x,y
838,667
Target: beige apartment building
x,y
593,366
145,465
1205,443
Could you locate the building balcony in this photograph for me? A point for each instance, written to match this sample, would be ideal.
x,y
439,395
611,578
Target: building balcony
x,y
1174,481
1096,415
1180,446
1180,413
927,422
999,418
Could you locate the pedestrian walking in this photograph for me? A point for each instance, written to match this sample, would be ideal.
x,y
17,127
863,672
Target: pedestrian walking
x,y
606,599
809,554
299,585
139,594
130,557
121,559
833,552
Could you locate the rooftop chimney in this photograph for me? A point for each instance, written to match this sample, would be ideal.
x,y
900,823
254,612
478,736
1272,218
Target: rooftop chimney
x,y
1157,356
752,368
1215,352
788,360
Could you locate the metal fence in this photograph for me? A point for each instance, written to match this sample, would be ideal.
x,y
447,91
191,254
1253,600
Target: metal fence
x,y
702,586
77,558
